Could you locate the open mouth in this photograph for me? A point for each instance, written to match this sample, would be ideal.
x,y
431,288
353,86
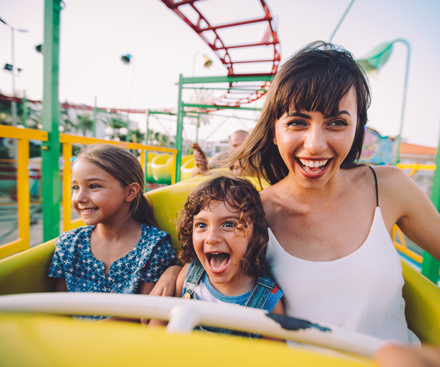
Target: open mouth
x,y
218,261
87,211
314,166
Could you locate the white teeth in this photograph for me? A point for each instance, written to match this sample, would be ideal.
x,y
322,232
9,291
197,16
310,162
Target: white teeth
x,y
313,164
88,210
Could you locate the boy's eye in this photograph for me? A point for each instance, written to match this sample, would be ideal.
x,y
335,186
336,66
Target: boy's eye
x,y
230,224
200,225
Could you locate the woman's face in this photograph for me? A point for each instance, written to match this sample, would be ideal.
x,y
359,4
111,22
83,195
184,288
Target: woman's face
x,y
312,145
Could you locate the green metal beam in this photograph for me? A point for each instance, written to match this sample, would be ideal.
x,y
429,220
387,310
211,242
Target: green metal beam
x,y
51,181
232,88
95,117
180,113
161,113
196,105
25,111
430,266
227,79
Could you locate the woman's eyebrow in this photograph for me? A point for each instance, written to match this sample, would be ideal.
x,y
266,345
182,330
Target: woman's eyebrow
x,y
339,114
298,114
346,112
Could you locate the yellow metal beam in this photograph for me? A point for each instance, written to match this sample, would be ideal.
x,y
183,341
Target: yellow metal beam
x,y
17,133
67,172
23,191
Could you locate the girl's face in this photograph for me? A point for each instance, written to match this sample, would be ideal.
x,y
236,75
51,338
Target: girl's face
x,y
217,245
97,196
312,145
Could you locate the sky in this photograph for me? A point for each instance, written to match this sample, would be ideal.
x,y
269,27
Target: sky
x,y
94,35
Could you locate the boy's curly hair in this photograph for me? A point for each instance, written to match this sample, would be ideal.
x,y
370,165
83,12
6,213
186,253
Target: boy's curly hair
x,y
241,195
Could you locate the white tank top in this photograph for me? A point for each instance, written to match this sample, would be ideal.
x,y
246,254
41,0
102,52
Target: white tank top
x,y
360,292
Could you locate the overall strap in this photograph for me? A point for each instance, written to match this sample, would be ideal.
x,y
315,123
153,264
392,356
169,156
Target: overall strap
x,y
194,277
375,181
260,293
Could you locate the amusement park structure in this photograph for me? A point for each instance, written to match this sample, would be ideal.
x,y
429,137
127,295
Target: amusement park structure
x,y
239,90
49,340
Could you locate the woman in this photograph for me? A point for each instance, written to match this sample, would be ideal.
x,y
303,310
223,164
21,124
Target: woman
x,y
330,219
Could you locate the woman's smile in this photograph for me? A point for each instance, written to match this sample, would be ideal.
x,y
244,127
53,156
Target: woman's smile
x,y
312,145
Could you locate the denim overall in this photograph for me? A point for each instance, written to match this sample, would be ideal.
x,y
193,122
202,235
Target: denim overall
x,y
257,299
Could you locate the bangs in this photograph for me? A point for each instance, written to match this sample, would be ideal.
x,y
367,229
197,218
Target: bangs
x,y
316,80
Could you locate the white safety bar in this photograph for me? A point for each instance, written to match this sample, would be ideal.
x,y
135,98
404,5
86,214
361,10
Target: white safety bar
x,y
184,315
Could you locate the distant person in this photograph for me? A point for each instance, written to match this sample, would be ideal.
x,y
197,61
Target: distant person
x,y
201,161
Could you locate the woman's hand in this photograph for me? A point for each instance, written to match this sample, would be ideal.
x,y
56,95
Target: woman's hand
x,y
166,285
392,355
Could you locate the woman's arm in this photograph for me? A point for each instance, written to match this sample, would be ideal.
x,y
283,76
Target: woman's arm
x,y
166,284
410,208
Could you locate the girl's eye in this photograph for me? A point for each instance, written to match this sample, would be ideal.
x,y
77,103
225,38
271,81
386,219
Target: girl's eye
x,y
94,186
75,188
338,123
296,123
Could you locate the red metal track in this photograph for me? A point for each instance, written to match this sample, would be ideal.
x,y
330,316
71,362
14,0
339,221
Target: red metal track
x,y
203,25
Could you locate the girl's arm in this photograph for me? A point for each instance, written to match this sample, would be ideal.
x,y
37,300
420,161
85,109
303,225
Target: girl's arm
x,y
178,293
61,285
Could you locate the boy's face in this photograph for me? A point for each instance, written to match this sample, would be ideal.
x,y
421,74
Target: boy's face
x,y
218,244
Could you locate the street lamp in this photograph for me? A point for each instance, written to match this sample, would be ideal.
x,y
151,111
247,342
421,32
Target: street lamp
x,y
13,67
375,60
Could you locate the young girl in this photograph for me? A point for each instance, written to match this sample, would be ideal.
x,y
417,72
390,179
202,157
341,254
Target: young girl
x,y
119,250
224,236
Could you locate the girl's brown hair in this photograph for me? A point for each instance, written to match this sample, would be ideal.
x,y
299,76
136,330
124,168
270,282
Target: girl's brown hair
x,y
238,194
125,167
315,79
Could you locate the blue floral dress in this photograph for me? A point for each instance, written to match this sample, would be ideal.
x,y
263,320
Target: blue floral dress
x,y
74,261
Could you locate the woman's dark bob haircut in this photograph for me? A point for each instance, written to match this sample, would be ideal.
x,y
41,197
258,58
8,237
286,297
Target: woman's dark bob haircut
x,y
315,79
239,195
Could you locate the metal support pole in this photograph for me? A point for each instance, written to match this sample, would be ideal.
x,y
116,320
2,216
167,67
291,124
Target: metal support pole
x,y
25,113
147,135
180,113
51,181
430,266
340,22
147,138
14,67
197,131
405,90
95,117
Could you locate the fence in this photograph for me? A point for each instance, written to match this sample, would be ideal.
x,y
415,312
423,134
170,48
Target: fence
x,y
23,195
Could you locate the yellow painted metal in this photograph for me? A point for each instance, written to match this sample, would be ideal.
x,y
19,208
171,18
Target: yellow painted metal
x,y
402,247
23,200
27,134
422,298
67,155
416,167
33,340
26,273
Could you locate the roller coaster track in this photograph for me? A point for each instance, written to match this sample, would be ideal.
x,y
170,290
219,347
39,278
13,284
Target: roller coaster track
x,y
203,27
